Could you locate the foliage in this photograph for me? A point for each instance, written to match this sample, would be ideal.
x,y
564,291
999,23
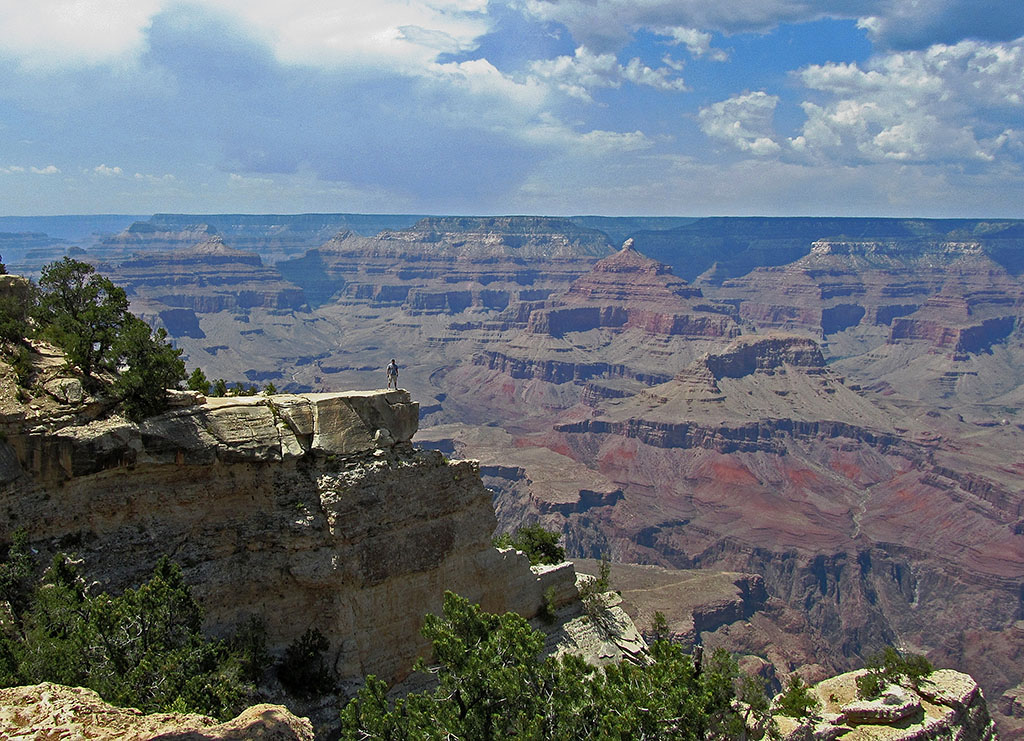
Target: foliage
x,y
890,666
198,382
150,367
16,573
15,307
220,388
270,389
591,588
493,683
21,362
756,705
659,627
87,316
797,701
143,648
304,670
540,545
82,312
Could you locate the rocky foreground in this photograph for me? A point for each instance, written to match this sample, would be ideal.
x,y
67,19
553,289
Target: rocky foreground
x,y
49,711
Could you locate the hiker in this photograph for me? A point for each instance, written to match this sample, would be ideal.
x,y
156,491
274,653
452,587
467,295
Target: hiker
x,y
392,371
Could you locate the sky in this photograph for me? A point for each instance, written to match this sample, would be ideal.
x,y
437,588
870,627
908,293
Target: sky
x,y
555,107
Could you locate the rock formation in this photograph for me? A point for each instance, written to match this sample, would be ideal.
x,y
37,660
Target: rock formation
x,y
307,511
948,704
50,711
204,277
450,265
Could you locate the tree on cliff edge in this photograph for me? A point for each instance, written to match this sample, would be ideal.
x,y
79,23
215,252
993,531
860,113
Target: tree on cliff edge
x,y
82,312
87,316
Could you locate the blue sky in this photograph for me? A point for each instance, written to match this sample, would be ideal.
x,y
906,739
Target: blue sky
x,y
617,107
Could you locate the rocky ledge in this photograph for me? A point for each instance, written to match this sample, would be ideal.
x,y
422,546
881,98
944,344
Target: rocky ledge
x,y
50,711
947,705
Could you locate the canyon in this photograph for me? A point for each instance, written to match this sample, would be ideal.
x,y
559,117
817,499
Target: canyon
x,y
831,408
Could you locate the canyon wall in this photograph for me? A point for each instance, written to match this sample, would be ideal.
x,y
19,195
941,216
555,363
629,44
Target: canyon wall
x,y
306,511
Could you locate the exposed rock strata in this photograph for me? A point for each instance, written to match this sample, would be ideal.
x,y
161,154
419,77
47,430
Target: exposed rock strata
x,y
50,711
204,277
348,528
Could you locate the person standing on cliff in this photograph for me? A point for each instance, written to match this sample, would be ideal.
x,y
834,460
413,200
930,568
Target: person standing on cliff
x,y
392,371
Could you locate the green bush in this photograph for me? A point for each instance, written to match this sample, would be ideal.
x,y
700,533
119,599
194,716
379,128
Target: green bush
x,y
198,382
304,669
798,701
493,683
149,367
890,666
540,545
143,648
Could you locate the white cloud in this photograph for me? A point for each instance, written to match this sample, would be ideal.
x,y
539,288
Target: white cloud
x,y
402,35
951,104
47,33
12,169
585,71
107,171
168,178
743,121
48,170
697,42
248,182
549,132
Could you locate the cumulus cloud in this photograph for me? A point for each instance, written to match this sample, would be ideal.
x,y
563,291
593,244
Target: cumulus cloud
x,y
107,171
697,42
585,71
48,170
957,103
389,34
550,132
12,169
744,122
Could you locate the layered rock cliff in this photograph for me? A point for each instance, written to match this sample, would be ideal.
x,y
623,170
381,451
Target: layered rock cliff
x,y
205,276
307,511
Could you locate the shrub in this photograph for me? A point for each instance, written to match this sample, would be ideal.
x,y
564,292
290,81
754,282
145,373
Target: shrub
x,y
151,366
304,669
539,545
198,382
890,666
493,682
142,649
797,701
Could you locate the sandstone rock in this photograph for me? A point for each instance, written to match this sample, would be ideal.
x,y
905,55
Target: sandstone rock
x,y
953,707
66,390
50,711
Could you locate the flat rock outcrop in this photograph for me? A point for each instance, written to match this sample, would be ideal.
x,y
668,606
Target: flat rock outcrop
x,y
51,711
947,704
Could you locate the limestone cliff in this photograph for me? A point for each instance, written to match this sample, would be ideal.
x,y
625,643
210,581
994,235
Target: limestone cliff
x,y
308,511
